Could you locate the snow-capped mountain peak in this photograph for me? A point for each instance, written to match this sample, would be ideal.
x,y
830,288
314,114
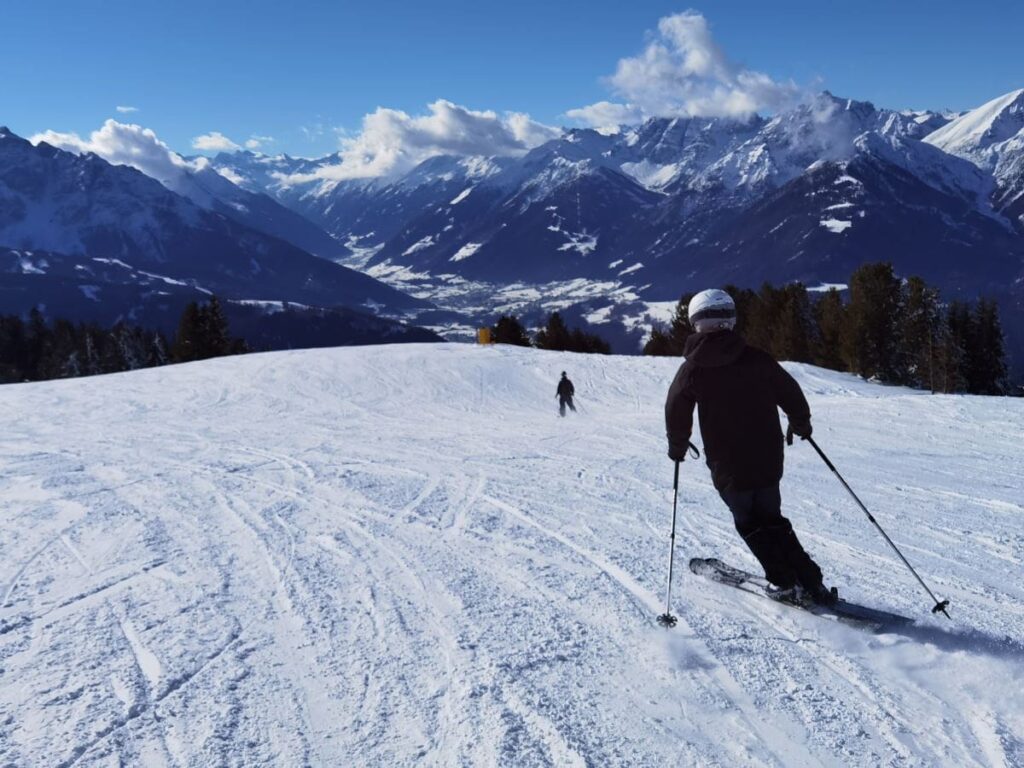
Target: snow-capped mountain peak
x,y
983,134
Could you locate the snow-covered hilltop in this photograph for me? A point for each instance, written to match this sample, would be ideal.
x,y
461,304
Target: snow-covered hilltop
x,y
402,556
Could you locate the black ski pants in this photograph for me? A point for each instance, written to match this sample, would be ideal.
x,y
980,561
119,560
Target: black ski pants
x,y
564,401
770,536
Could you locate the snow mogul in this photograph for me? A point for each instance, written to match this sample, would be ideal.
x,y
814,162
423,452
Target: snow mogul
x,y
738,390
565,393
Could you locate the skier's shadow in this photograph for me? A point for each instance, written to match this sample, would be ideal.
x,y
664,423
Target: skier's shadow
x,y
969,640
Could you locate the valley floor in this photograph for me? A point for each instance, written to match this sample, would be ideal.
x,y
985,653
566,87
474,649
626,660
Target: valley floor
x,y
388,556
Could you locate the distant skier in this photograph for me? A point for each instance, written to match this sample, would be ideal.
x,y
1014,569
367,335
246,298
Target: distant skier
x,y
565,393
737,390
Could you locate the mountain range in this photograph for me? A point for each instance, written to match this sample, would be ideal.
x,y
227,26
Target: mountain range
x,y
609,228
613,228
88,240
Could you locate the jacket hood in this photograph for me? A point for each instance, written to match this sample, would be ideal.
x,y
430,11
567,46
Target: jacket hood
x,y
714,349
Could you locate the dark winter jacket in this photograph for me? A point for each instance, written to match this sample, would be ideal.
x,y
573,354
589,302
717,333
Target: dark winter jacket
x,y
737,390
565,389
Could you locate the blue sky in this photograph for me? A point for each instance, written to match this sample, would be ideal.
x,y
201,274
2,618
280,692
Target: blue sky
x,y
306,73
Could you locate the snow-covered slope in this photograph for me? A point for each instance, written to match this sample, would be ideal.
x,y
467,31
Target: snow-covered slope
x,y
395,556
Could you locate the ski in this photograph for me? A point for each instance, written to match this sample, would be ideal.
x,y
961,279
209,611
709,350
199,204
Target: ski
x,y
842,611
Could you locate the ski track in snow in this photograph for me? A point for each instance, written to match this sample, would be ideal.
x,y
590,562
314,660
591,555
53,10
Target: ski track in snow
x,y
391,556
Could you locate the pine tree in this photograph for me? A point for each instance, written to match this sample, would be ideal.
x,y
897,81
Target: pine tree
x,y
763,319
830,319
793,329
13,349
955,341
747,308
37,343
870,341
680,327
591,343
131,346
508,330
60,356
157,353
919,334
92,350
671,342
987,353
659,344
554,335
216,334
189,341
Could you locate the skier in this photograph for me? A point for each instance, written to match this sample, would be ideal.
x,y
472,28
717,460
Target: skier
x,y
564,394
737,390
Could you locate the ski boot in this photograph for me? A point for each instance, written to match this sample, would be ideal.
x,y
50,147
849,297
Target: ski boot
x,y
822,595
793,594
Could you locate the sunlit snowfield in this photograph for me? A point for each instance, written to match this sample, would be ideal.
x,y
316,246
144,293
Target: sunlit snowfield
x,y
393,556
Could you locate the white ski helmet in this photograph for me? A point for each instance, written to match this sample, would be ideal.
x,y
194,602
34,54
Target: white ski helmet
x,y
712,310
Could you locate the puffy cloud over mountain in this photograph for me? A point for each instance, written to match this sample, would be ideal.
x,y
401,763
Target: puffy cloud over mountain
x,y
683,72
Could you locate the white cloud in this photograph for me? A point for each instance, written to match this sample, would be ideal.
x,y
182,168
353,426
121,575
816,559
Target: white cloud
x,y
235,178
126,110
529,132
255,142
215,141
606,116
126,144
392,142
682,72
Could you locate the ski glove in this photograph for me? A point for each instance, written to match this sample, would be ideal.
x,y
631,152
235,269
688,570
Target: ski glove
x,y
677,453
801,427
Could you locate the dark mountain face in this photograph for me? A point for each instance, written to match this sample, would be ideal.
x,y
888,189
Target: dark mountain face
x,y
861,211
87,240
260,212
532,235
53,200
107,291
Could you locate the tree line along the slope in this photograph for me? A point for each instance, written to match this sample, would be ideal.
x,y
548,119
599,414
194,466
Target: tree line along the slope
x,y
555,335
890,330
37,350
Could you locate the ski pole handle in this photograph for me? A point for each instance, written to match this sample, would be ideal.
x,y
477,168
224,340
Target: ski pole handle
x,y
675,482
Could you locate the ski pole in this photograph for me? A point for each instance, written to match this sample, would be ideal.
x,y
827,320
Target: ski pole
x,y
666,619
940,605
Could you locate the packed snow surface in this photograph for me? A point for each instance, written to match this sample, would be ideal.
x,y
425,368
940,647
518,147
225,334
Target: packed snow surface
x,y
389,556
